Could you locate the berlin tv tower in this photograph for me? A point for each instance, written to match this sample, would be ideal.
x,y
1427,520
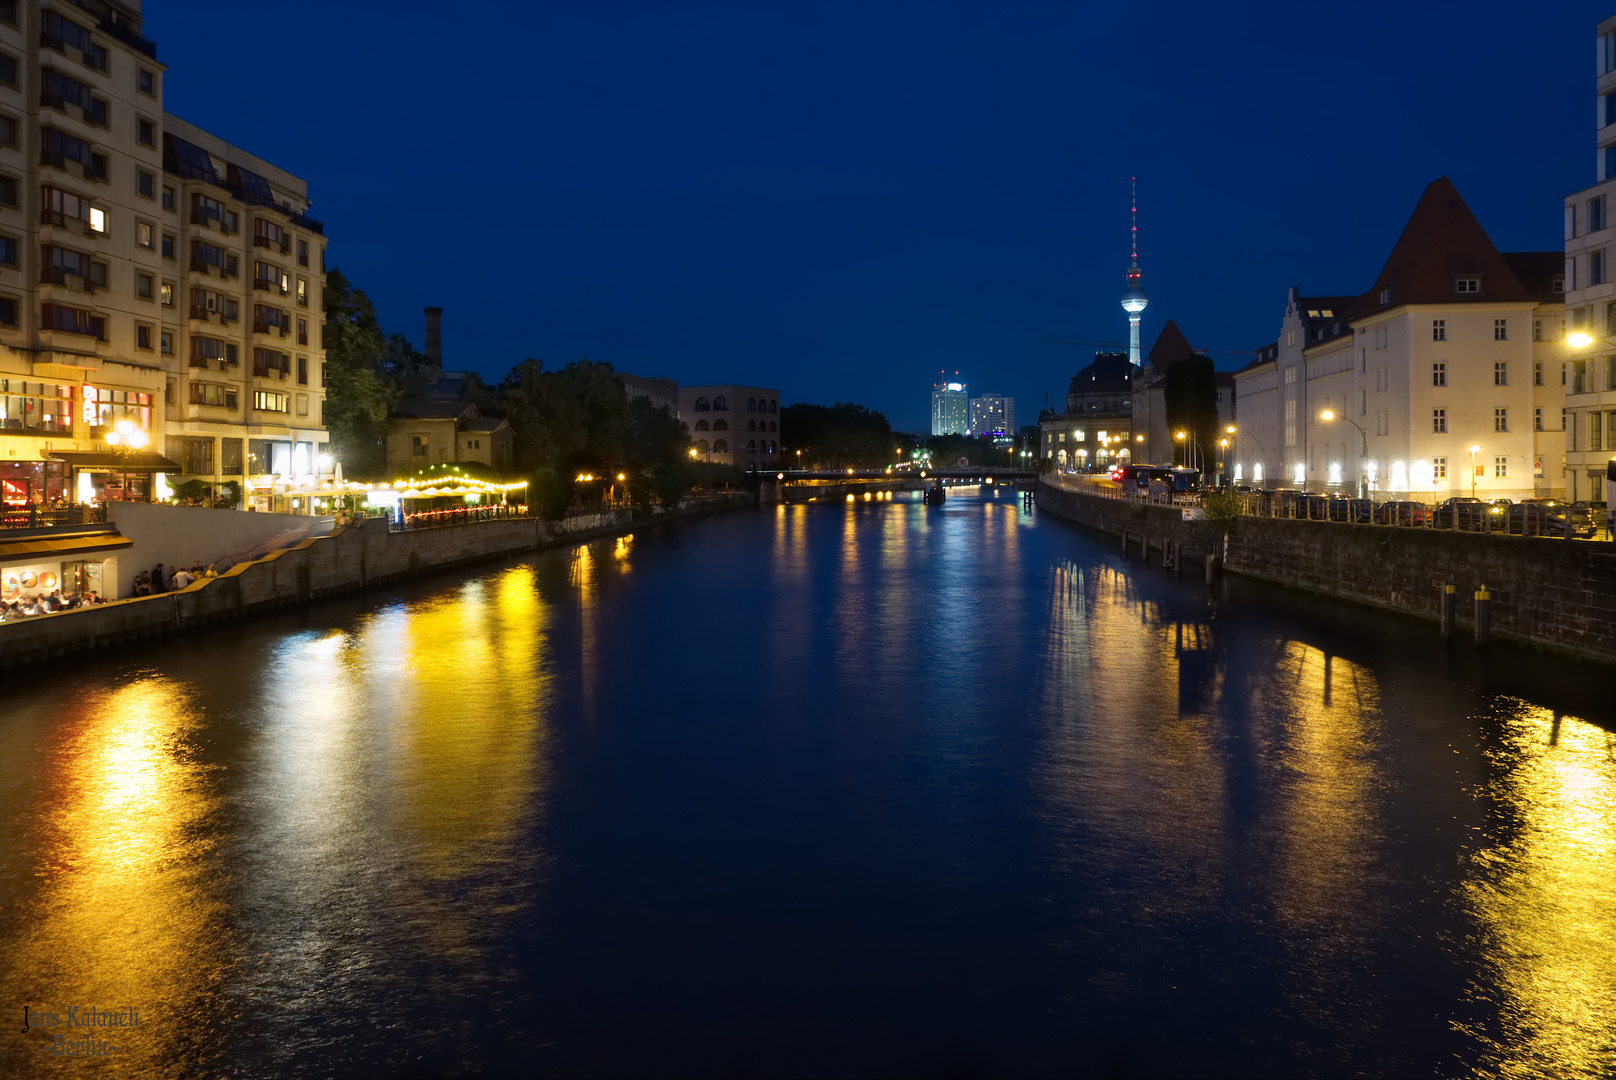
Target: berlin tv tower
x,y
1134,299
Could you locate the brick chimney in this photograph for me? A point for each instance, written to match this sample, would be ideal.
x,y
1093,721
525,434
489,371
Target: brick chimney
x,y
434,336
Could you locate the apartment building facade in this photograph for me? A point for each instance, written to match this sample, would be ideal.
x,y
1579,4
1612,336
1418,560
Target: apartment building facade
x,y
1588,362
733,425
160,290
1441,380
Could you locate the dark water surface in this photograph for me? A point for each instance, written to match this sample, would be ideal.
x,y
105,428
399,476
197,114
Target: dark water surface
x,y
830,790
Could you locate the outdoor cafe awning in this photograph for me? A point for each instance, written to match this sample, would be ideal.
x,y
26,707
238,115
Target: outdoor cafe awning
x,y
48,547
136,461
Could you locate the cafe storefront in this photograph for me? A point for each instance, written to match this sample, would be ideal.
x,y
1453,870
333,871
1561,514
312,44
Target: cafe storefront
x,y
72,565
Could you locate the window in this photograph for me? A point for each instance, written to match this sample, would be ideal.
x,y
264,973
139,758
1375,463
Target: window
x,y
1500,373
721,446
8,191
8,251
303,253
271,278
143,336
270,320
58,264
1363,403
702,425
1439,329
1469,285
1596,207
303,371
266,361
57,148
146,82
165,342
1500,329
221,397
266,401
267,234
1439,421
1439,374
1500,419
418,444
720,425
197,456
9,309
204,349
8,11
8,130
165,293
60,34
8,70
146,184
302,331
143,286
73,321
1537,373
1385,296
1537,419
1596,267
146,132
168,198
168,246
206,255
230,454
1500,466
701,405
143,234
303,291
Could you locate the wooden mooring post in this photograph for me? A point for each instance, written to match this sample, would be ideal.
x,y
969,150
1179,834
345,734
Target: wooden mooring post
x,y
1484,614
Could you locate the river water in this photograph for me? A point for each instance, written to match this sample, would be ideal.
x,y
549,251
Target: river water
x,y
868,789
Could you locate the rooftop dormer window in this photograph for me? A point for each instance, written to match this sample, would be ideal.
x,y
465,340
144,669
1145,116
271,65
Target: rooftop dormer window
x,y
1385,296
1469,285
1559,284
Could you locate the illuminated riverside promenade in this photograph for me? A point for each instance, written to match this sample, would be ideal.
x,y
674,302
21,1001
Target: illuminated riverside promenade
x,y
814,790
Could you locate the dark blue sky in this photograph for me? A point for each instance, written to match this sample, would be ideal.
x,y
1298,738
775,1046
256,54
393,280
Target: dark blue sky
x,y
840,200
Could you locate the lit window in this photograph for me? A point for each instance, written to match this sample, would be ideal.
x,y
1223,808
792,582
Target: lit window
x,y
98,219
1500,466
1439,329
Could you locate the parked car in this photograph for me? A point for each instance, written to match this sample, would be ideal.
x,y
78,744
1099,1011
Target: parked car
x,y
1403,513
1348,509
1548,517
1460,512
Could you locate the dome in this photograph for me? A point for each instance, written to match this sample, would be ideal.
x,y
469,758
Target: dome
x,y
1134,300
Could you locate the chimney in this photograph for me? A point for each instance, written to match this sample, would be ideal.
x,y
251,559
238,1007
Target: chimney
x,y
434,336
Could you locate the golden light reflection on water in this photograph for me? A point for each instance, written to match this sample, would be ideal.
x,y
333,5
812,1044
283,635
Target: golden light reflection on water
x,y
1544,893
126,914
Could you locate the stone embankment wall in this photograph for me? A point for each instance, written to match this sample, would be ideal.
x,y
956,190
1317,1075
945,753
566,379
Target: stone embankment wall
x,y
347,559
1554,594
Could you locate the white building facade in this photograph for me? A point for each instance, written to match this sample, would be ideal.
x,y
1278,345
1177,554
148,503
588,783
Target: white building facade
x,y
1441,380
1588,360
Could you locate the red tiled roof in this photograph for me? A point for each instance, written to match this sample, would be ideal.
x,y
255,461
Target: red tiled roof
x,y
1441,243
1538,271
1170,345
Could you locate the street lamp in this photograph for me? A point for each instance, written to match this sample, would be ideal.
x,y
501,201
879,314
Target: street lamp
x,y
1189,439
1327,416
1474,450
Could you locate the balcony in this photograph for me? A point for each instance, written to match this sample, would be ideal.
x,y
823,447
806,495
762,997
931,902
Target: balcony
x,y
275,287
113,28
274,329
303,221
284,243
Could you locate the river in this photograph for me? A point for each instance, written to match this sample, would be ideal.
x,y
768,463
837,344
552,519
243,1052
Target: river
x,y
867,789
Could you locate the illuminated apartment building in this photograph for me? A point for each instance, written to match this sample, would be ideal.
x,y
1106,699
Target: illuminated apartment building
x,y
150,274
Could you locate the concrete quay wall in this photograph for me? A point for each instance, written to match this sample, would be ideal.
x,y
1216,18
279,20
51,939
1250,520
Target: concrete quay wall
x,y
347,559
1551,594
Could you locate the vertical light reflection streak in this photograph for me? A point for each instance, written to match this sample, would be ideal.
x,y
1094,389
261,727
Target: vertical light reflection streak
x,y
128,914
1544,894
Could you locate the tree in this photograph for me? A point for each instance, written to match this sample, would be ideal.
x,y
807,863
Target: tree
x,y
656,448
1191,399
358,397
549,426
837,436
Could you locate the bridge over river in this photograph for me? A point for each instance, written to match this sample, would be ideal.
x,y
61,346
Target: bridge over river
x,y
803,485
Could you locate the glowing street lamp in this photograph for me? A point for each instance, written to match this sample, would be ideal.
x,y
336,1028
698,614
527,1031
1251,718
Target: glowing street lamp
x,y
1474,450
1327,416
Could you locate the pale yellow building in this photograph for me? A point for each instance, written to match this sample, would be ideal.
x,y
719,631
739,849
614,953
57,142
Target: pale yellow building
x,y
150,274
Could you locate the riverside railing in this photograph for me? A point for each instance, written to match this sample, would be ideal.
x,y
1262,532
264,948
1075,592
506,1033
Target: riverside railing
x,y
40,516
1500,518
